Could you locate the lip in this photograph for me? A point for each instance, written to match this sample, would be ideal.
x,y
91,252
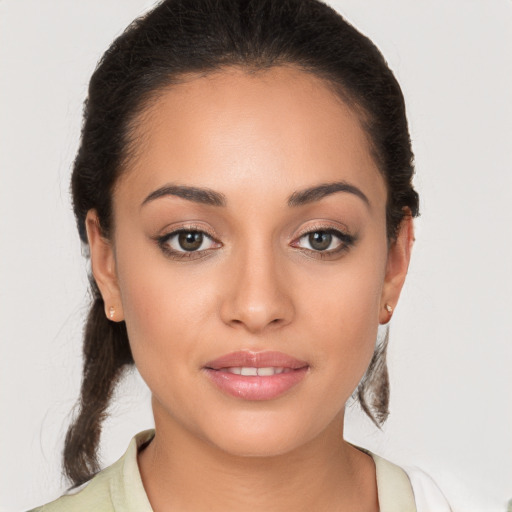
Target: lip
x,y
256,387
256,360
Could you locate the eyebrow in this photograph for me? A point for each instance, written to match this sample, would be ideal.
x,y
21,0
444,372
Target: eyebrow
x,y
196,194
312,194
213,198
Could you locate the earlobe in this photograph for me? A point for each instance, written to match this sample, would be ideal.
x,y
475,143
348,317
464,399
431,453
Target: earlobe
x,y
103,267
399,256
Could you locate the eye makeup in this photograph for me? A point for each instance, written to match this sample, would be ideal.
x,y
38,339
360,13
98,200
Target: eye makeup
x,y
192,242
188,242
323,241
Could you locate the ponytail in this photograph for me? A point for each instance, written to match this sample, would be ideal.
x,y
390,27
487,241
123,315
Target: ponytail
x,y
373,390
106,353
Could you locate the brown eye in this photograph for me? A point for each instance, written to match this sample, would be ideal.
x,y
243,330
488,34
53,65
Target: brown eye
x,y
190,240
320,240
325,242
187,241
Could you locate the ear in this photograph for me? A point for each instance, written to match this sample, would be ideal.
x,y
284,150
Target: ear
x,y
399,256
104,268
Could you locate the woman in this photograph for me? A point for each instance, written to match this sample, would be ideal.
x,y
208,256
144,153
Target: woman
x,y
243,185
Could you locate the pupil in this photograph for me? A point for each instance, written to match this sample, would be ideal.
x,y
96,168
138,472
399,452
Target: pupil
x,y
190,241
320,240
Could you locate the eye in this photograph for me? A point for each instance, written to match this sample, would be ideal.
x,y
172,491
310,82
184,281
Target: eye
x,y
325,242
320,240
184,243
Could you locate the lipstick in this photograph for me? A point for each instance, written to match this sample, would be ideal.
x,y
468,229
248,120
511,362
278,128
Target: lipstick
x,y
256,375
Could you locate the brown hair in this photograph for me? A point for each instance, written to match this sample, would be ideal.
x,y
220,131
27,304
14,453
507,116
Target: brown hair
x,y
179,37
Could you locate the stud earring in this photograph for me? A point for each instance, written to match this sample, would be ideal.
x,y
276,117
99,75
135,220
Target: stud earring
x,y
388,308
111,312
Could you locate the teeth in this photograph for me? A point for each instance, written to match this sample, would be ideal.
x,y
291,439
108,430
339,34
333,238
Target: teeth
x,y
265,372
250,371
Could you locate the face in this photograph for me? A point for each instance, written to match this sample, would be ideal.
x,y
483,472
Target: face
x,y
249,258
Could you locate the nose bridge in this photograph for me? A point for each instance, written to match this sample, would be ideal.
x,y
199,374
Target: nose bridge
x,y
258,297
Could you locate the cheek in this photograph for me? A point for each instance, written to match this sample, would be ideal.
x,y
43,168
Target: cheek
x,y
156,302
343,314
160,311
163,320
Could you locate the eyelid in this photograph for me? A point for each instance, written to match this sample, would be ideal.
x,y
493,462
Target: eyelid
x,y
347,240
337,229
324,226
168,232
185,226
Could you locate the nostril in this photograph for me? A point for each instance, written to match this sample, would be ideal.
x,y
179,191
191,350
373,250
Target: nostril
x,y
248,308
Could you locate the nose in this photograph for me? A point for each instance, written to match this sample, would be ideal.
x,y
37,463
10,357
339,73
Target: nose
x,y
256,295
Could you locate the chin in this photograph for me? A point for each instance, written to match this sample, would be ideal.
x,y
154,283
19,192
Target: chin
x,y
265,435
256,446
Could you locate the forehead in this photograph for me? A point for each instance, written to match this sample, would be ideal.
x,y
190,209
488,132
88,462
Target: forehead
x,y
258,130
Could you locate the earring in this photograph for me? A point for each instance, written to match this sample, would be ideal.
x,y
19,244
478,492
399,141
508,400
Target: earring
x,y
388,308
111,312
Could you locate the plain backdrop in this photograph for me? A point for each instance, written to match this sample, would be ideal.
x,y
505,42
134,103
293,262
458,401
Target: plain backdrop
x,y
451,337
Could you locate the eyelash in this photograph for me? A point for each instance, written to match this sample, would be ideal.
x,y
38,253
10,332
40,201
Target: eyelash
x,y
163,243
346,241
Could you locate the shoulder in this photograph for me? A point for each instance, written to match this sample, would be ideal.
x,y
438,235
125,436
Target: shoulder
x,y
406,488
428,495
115,489
94,495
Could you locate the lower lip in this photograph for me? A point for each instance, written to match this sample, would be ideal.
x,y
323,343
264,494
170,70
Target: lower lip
x,y
256,387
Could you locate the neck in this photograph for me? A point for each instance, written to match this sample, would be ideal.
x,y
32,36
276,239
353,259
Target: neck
x,y
181,472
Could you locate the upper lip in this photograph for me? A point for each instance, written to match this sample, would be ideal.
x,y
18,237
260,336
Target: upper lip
x,y
264,359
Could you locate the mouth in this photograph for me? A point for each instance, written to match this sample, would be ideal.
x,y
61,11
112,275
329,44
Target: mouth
x,y
251,371
256,375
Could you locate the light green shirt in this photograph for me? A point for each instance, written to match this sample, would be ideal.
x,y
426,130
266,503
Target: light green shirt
x,y
119,488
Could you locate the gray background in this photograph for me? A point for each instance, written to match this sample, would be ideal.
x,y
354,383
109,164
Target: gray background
x,y
451,336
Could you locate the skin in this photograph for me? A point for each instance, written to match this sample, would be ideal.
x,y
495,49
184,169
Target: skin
x,y
255,138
